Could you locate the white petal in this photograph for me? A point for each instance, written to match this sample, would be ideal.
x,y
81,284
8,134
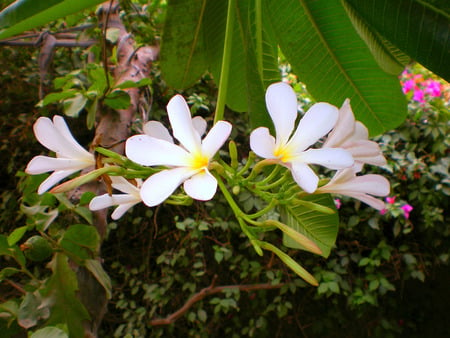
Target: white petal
x,y
281,104
53,179
123,185
121,210
101,202
369,200
332,158
58,139
158,130
305,177
149,151
199,124
41,164
158,187
361,132
344,127
316,123
370,184
262,143
181,121
63,129
201,186
216,137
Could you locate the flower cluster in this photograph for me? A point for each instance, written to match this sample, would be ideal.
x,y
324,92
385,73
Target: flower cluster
x,y
344,147
394,206
419,87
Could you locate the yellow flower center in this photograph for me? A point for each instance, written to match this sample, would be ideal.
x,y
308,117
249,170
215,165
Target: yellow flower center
x,y
199,161
283,153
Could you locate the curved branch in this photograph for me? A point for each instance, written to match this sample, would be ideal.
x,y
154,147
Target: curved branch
x,y
210,290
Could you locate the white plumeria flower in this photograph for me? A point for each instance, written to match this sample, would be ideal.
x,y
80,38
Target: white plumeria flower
x,y
124,201
70,156
188,162
353,136
345,182
293,152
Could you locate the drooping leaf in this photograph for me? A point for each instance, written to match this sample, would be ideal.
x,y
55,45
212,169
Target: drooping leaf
x,y
327,54
23,15
290,262
182,54
420,29
74,105
60,292
321,228
95,267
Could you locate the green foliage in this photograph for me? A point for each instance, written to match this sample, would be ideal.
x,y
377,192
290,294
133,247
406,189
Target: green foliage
x,y
23,15
321,44
403,32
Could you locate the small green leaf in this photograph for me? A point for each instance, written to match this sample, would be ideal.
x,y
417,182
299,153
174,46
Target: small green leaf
x,y
85,213
118,99
202,315
86,197
56,97
17,235
81,240
134,84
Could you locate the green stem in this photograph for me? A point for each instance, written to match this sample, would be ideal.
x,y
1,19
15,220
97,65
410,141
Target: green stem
x,y
269,177
225,69
259,166
265,210
250,159
240,215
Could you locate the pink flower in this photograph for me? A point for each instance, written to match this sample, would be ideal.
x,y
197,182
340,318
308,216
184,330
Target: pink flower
x,y
408,85
383,211
406,210
418,95
390,200
338,203
433,88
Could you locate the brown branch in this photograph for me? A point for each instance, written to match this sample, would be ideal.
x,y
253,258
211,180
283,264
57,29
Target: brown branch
x,y
210,290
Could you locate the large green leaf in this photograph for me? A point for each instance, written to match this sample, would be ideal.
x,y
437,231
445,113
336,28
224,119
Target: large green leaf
x,y
253,65
419,28
60,292
182,49
23,15
328,55
321,228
